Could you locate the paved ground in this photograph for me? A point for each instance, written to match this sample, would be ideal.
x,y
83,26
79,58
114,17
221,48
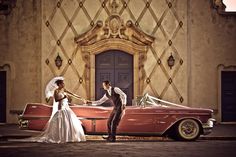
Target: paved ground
x,y
220,132
220,143
200,148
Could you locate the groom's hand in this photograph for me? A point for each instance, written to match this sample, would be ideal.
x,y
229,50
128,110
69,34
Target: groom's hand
x,y
87,101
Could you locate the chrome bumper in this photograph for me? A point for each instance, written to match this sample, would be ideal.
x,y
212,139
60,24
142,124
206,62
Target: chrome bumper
x,y
207,127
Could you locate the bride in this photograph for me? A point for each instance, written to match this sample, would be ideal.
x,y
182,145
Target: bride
x,y
63,126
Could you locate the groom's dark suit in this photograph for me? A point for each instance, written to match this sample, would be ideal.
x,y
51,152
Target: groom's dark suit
x,y
115,115
118,98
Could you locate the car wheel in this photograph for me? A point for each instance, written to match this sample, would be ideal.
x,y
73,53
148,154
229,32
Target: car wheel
x,y
188,130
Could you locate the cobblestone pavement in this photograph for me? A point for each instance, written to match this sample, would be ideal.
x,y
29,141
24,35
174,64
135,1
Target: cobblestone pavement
x,y
160,148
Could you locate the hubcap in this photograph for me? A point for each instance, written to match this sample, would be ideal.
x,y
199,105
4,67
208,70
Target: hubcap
x,y
189,129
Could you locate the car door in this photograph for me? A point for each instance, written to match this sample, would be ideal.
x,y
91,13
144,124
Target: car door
x,y
138,120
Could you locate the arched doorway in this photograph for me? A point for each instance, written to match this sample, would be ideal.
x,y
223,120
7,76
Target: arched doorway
x,y
117,67
114,34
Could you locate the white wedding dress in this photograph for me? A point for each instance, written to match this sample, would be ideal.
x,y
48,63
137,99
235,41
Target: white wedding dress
x,y
62,127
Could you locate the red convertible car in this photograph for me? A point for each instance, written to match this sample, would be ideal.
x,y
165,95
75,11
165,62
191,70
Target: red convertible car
x,y
149,117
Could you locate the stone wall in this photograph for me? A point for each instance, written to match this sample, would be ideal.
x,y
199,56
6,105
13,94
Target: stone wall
x,y
211,41
20,54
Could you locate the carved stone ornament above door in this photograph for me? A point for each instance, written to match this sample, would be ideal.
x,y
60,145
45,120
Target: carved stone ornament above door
x,y
114,35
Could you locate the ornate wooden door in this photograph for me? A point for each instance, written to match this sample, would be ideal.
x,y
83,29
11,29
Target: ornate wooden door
x,y
2,96
117,67
228,96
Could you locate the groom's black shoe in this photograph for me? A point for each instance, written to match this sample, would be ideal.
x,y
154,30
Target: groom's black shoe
x,y
112,140
109,138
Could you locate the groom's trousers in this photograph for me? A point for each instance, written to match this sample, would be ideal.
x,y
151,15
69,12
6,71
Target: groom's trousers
x,y
113,121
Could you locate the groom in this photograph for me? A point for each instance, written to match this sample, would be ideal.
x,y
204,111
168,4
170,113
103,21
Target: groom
x,y
118,99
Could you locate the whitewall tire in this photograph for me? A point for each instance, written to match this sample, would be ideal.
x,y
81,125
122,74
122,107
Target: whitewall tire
x,y
188,130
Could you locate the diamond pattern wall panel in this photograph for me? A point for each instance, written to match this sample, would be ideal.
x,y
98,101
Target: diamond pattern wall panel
x,y
164,19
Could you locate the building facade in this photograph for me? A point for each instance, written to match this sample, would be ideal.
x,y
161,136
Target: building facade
x,y
182,51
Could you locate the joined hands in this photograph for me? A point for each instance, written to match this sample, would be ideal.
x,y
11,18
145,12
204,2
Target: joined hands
x,y
85,101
